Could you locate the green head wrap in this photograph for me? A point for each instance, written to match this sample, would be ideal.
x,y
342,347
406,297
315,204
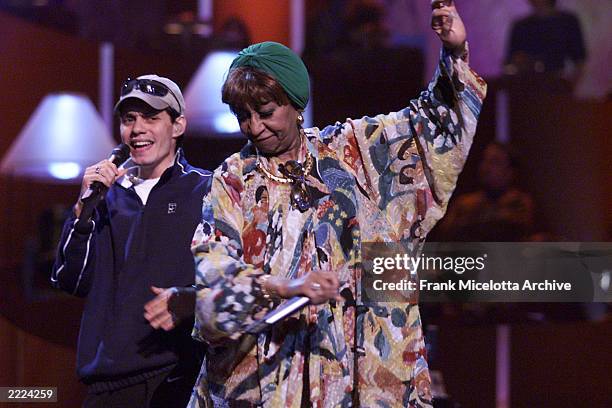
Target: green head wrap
x,y
282,64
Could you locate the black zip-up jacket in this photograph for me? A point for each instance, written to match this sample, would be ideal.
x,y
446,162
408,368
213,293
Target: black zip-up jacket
x,y
131,248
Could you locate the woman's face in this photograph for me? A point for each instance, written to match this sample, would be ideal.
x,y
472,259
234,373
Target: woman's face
x,y
272,129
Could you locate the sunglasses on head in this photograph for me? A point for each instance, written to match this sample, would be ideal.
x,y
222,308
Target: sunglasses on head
x,y
148,86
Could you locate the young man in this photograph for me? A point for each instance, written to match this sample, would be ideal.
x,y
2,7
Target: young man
x,y
136,242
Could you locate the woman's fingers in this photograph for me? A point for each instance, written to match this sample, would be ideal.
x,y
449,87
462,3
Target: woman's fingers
x,y
446,22
441,20
436,4
321,286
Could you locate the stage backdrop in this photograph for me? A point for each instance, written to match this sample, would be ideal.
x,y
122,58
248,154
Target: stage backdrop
x,y
489,22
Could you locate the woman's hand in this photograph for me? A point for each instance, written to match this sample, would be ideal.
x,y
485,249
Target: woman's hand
x,y
445,21
319,286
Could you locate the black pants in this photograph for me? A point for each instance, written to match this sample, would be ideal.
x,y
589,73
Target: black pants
x,y
165,390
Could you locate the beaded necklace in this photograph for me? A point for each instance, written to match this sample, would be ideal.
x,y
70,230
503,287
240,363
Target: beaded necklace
x,y
295,174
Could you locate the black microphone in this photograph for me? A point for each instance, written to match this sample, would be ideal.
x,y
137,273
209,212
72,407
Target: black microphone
x,y
286,309
96,190
119,155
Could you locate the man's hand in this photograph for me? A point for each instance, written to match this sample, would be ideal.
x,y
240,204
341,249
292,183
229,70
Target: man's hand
x,y
445,21
105,172
169,307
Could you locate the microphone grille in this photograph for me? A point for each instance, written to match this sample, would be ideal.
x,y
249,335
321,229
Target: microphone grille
x,y
121,153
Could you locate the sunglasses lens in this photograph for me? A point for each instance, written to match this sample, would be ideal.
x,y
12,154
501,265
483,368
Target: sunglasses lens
x,y
128,86
143,85
153,89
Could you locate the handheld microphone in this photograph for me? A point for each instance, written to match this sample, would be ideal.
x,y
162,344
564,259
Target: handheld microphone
x,y
95,191
119,155
286,309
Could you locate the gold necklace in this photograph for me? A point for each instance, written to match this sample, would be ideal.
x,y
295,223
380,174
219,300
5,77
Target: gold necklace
x,y
285,180
300,196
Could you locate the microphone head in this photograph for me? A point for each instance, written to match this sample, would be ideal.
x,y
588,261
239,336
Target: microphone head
x,y
120,153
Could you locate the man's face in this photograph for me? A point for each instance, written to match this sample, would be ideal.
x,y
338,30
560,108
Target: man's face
x,y
151,136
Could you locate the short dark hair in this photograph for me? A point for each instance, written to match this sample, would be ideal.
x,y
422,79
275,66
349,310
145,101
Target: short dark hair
x,y
259,193
174,115
247,86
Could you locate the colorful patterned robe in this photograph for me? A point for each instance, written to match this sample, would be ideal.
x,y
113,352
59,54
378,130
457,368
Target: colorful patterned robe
x,y
387,178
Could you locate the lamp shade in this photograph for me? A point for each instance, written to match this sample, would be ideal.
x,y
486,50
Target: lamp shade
x,y
205,112
64,135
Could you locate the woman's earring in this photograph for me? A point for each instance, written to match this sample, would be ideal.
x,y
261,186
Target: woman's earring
x,y
300,119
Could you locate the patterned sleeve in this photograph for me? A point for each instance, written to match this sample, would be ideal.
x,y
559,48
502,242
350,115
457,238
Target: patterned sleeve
x,y
230,297
411,159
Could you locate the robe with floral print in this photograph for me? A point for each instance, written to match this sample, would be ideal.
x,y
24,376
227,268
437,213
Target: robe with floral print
x,y
381,179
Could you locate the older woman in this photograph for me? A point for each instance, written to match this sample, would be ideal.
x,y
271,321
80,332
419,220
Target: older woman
x,y
326,192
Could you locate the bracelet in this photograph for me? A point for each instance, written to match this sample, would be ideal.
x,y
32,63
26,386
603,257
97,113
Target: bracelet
x,y
268,293
463,51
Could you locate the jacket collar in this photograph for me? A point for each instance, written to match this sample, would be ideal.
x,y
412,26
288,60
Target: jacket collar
x,y
132,177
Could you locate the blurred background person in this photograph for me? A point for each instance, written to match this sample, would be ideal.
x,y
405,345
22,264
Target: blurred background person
x,y
549,40
499,210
